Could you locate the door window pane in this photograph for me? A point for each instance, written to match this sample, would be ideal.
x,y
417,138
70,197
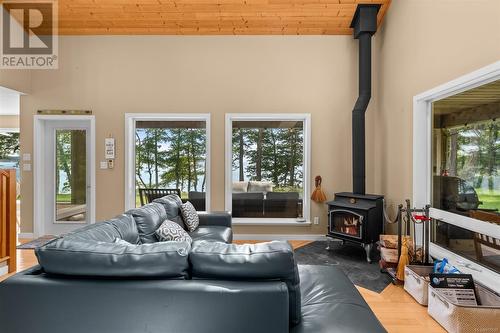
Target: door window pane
x,y
71,175
170,157
267,169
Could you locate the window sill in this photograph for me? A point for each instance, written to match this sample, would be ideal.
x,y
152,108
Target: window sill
x,y
271,221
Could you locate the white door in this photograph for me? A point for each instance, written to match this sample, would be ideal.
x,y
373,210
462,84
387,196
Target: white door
x,y
65,175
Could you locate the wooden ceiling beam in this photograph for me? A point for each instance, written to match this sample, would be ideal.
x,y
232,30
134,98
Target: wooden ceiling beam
x,y
471,115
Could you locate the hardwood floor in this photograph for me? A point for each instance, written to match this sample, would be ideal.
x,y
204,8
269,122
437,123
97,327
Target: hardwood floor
x,y
395,309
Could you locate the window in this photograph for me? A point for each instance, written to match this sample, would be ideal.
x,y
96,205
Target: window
x,y
267,167
466,153
170,155
9,150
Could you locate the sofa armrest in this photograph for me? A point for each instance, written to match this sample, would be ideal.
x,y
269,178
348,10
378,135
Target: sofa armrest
x,y
222,219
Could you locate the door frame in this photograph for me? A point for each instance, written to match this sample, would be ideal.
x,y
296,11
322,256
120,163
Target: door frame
x,y
130,120
39,168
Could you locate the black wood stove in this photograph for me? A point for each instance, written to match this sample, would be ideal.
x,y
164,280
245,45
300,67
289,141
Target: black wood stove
x,y
358,217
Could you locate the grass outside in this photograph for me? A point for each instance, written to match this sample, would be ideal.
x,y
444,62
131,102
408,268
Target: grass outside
x,y
490,199
63,198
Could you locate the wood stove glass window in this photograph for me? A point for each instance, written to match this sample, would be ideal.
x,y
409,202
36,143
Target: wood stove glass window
x,y
267,169
345,222
466,153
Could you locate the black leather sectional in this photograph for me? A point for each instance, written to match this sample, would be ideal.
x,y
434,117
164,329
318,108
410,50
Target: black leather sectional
x,y
88,283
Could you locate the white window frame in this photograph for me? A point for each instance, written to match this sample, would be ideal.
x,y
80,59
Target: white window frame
x,y
130,121
422,169
306,206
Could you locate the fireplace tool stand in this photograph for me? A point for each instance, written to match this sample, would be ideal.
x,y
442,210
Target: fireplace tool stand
x,y
407,218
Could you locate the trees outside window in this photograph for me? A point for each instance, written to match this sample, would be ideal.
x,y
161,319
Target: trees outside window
x,y
171,154
267,165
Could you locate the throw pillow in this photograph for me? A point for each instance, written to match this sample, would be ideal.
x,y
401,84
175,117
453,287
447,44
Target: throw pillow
x,y
190,216
171,231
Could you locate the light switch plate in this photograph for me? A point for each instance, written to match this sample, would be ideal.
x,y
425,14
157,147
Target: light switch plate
x,y
103,164
26,157
26,167
316,220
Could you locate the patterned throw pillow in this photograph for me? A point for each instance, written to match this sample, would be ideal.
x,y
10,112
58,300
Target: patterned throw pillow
x,y
171,231
190,216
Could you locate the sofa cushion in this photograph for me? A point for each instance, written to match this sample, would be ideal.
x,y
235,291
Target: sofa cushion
x,y
148,218
190,216
240,187
260,186
172,204
171,231
212,233
100,232
126,226
262,261
93,258
332,304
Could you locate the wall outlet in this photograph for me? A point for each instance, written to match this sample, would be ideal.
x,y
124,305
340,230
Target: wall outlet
x,y
316,220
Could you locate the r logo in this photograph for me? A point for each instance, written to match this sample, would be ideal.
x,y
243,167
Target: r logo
x,y
27,28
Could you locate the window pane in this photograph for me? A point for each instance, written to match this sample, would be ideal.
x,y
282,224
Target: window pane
x,y
170,158
479,248
9,151
267,169
466,156
71,175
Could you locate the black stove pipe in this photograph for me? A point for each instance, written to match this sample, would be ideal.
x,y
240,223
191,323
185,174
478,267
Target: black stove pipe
x,y
364,24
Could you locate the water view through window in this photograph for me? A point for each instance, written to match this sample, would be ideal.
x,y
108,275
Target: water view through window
x,y
170,157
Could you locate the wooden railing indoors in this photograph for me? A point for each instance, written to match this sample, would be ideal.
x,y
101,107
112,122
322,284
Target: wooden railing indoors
x,y
8,218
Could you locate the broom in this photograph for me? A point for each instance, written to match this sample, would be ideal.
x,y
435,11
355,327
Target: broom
x,y
318,195
403,260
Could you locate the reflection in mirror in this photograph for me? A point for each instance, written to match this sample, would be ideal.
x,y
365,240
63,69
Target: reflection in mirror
x,y
71,175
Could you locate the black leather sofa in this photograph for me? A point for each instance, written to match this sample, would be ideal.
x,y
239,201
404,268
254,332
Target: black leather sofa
x,y
88,283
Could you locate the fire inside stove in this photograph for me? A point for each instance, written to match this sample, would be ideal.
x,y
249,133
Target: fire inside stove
x,y
347,223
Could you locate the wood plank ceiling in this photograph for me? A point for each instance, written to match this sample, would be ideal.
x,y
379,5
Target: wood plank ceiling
x,y
473,98
210,17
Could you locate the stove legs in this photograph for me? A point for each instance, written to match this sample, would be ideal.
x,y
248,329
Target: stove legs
x,y
368,250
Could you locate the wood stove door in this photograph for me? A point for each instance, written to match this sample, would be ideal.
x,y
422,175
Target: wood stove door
x,y
345,222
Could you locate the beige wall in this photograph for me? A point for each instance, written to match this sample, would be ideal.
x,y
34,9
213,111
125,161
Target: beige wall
x,y
15,79
422,44
115,75
9,121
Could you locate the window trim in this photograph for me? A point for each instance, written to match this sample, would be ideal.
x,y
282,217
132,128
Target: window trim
x,y
130,121
422,168
306,118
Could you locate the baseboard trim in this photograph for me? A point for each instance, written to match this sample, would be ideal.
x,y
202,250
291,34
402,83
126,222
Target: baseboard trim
x,y
268,237
25,235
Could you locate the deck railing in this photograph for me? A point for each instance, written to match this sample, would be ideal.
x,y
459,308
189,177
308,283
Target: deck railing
x,y
8,218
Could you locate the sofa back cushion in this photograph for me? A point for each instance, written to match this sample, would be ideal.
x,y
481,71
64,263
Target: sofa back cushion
x,y
262,261
172,204
240,187
260,186
148,218
126,226
99,232
68,256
